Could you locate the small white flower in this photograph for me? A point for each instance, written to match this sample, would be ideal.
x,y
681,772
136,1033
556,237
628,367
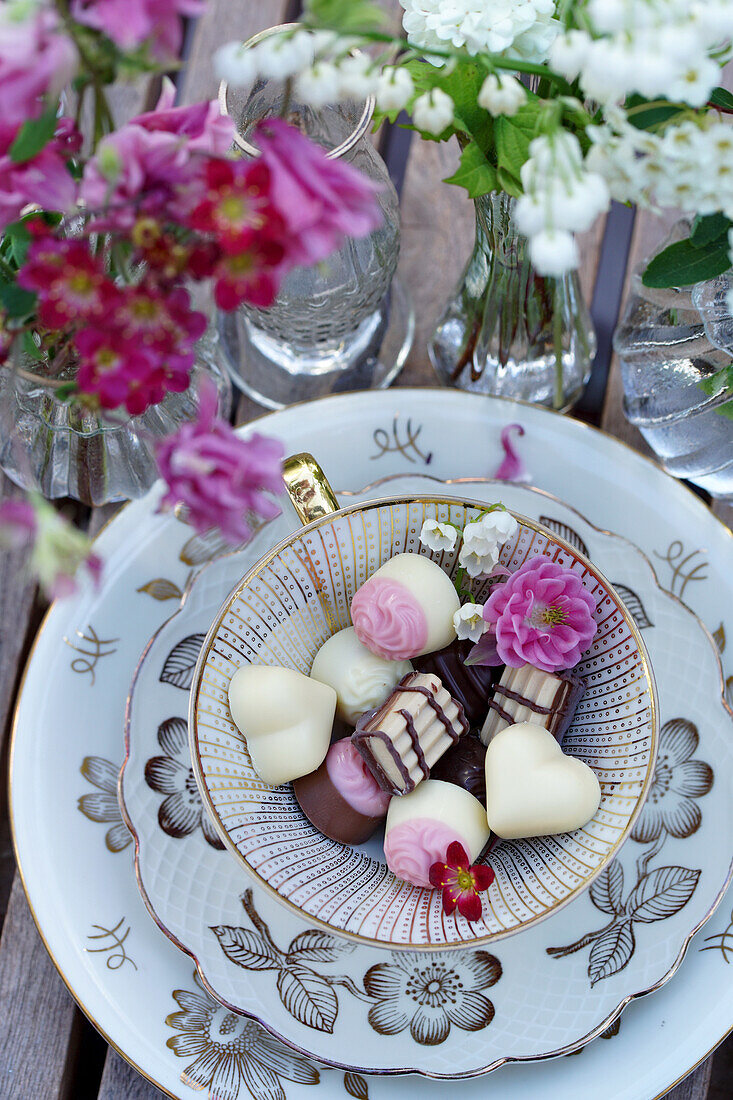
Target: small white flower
x,y
554,252
357,77
433,111
279,56
395,89
695,83
478,560
235,64
319,85
438,536
469,622
729,293
501,95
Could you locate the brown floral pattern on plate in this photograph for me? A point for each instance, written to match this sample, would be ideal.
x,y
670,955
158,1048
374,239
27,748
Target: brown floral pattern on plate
x,y
181,812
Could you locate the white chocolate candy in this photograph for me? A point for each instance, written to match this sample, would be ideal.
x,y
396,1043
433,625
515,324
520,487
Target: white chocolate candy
x,y
533,788
406,608
422,824
286,718
360,678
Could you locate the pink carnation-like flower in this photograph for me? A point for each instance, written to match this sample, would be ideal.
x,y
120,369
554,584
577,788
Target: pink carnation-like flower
x,y
45,179
130,23
542,616
36,59
219,477
155,165
322,200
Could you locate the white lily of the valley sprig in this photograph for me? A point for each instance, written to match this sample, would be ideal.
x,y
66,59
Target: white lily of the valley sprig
x,y
469,622
482,540
438,536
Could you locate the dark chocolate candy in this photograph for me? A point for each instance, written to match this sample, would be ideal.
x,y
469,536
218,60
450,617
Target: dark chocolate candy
x,y
471,685
464,764
329,811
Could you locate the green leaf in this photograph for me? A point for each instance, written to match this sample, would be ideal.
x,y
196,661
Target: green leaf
x,y
19,239
708,228
726,410
508,182
336,15
15,301
717,382
681,264
30,347
513,137
33,135
720,97
649,118
474,173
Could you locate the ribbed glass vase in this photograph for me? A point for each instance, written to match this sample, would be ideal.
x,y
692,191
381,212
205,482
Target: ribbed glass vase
x,y
508,330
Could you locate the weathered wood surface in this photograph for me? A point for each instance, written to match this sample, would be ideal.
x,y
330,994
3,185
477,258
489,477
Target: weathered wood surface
x,y
43,1034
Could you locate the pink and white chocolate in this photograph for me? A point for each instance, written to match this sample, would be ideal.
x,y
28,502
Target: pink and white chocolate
x,y
422,824
406,608
353,780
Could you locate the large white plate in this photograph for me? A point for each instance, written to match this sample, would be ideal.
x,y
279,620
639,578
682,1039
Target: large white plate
x,y
537,995
72,708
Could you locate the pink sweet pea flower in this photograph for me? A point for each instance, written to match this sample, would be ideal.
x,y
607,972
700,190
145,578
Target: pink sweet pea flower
x,y
321,200
130,23
155,164
219,477
542,616
36,59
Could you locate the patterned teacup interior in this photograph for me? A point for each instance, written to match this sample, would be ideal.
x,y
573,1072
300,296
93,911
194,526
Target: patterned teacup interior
x,y
283,611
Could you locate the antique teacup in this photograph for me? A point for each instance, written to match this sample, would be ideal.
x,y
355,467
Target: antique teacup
x,y
286,607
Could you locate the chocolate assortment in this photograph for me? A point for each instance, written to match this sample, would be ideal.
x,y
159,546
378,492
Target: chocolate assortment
x,y
397,687
412,729
527,694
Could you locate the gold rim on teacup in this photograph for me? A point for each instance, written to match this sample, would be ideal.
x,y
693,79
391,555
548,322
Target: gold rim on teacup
x,y
317,507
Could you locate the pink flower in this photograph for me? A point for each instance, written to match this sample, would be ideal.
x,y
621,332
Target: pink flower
x,y
155,164
251,276
219,477
36,59
70,282
512,468
237,208
460,882
542,616
322,201
17,524
118,371
130,23
45,180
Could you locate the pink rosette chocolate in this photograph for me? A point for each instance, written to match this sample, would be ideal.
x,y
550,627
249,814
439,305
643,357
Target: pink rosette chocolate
x,y
542,616
388,619
353,780
412,847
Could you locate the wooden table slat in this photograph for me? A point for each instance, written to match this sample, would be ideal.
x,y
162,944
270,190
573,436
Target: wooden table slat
x,y
121,1082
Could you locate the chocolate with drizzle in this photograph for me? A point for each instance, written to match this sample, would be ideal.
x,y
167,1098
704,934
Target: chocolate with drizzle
x,y
367,728
470,685
557,717
465,765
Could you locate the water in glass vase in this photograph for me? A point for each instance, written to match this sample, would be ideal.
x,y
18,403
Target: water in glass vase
x,y
509,331
666,352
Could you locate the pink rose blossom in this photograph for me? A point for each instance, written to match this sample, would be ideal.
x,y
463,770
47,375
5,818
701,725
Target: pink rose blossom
x,y
130,23
36,59
322,201
219,477
541,616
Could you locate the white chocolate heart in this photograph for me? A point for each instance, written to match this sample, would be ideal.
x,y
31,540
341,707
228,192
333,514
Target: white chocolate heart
x,y
286,718
533,788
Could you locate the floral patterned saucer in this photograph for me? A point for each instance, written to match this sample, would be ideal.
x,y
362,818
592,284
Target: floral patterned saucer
x,y
546,991
75,852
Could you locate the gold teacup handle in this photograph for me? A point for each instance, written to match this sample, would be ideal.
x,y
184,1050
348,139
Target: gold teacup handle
x,y
308,488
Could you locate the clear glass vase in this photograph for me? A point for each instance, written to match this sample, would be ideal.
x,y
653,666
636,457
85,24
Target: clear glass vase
x,y
342,324
64,450
509,331
671,343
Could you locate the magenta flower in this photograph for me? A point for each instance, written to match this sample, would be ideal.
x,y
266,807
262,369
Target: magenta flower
x,y
70,282
58,550
36,59
512,467
322,201
119,371
155,165
17,524
45,179
219,477
541,616
130,23
461,882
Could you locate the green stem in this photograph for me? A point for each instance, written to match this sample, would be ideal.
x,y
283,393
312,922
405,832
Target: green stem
x,y
558,400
